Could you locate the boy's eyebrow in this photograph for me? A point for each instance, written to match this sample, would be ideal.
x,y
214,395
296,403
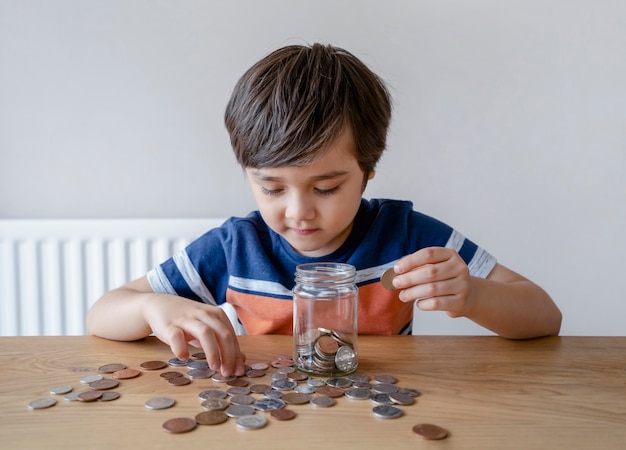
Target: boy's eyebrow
x,y
325,176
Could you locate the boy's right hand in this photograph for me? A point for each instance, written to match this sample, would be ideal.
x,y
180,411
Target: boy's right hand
x,y
178,321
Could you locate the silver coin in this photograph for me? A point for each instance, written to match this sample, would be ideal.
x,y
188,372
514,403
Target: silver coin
x,y
268,404
212,393
159,403
316,382
197,374
387,411
322,401
358,378
284,385
251,422
219,378
401,399
198,365
241,399
410,391
91,378
60,390
42,403
380,399
384,388
215,404
239,410
72,396
358,393
385,379
175,362
305,389
277,376
362,384
339,382
345,359
273,394
238,390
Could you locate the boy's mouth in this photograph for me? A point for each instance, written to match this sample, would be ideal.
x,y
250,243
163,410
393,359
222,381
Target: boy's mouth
x,y
304,231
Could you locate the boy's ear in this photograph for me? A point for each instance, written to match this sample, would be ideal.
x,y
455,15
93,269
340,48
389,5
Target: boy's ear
x,y
371,175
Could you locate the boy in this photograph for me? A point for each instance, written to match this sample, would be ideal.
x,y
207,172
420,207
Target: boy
x,y
308,125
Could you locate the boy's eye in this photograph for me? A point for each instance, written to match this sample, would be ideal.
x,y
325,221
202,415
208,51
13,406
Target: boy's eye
x,y
270,192
327,191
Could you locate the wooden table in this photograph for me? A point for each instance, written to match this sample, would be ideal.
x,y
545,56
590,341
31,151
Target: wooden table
x,y
490,393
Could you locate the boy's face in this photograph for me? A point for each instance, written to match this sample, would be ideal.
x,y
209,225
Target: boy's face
x,y
312,206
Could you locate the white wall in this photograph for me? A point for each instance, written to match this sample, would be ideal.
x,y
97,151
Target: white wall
x,y
510,119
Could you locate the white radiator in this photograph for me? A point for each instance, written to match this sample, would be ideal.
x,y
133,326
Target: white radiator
x,y
51,271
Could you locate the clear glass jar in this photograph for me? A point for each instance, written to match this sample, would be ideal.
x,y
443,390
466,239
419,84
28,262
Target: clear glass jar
x,y
325,309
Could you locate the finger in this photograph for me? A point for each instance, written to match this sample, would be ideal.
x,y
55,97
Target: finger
x,y
175,338
204,334
429,255
232,360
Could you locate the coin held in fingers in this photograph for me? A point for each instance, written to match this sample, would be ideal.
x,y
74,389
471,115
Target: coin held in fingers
x,y
387,279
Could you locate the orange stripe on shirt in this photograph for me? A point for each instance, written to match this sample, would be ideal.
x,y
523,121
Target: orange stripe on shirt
x,y
380,312
262,315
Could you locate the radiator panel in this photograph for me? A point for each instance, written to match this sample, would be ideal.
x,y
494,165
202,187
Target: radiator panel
x,y
52,271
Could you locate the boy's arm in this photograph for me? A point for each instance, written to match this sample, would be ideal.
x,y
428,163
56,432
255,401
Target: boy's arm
x,y
134,311
505,302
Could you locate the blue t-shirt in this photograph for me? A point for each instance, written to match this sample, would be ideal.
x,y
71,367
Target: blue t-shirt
x,y
248,265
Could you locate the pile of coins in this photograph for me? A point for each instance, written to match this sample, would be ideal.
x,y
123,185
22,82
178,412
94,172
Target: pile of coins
x,y
240,399
326,352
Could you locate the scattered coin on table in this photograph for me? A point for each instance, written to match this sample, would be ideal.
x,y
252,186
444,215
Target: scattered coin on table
x,y
430,431
240,401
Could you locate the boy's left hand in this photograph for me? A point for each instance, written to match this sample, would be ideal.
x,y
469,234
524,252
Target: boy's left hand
x,y
437,278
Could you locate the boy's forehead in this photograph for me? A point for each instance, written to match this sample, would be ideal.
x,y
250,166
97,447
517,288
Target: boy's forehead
x,y
335,161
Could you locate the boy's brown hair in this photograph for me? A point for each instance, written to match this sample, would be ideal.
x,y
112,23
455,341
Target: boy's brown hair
x,y
298,99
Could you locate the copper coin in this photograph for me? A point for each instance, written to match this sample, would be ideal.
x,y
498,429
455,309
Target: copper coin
x,y
153,365
125,374
110,368
211,418
239,382
330,391
215,404
295,398
252,373
387,279
170,375
283,414
298,376
199,355
104,384
327,345
260,388
89,396
179,425
179,381
430,431
259,366
109,396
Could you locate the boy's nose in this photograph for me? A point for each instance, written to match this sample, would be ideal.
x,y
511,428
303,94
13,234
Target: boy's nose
x,y
299,208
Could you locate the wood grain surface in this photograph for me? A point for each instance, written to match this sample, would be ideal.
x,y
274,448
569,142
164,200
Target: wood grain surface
x,y
488,392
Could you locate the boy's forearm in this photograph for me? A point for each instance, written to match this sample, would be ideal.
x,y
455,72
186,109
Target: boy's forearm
x,y
119,315
514,310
